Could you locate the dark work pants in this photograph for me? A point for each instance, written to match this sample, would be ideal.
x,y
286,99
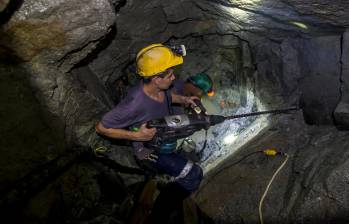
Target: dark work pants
x,y
173,164
171,197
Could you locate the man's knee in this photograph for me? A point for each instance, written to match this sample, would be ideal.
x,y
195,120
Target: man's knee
x,y
192,180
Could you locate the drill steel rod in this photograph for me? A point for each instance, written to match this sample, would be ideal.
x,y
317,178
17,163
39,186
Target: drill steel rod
x,y
261,112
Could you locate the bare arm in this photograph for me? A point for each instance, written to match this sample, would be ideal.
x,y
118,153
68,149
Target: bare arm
x,y
144,133
184,99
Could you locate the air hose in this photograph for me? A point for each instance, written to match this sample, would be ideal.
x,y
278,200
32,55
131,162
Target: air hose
x,y
270,152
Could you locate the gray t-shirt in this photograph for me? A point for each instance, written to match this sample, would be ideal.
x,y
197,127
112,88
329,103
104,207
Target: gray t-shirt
x,y
177,88
135,109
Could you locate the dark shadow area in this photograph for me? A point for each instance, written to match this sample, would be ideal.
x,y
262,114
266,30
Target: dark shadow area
x,y
89,81
118,88
109,162
121,4
30,147
6,54
27,139
6,14
115,200
15,198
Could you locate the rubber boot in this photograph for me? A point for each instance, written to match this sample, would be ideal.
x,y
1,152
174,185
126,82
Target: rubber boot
x,y
145,203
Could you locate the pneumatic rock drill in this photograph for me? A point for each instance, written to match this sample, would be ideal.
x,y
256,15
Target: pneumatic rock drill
x,y
171,128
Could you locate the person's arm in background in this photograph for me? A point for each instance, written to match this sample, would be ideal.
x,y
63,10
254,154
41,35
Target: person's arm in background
x,y
186,100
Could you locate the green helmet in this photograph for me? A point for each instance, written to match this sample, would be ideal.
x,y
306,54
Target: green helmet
x,y
203,82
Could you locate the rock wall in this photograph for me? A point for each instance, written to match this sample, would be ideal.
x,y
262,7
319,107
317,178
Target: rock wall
x,y
48,38
342,109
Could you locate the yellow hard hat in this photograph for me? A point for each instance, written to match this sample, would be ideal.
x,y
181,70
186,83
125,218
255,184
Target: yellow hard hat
x,y
156,58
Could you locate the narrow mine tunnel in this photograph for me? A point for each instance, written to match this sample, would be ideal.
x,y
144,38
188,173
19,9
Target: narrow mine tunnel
x,y
64,64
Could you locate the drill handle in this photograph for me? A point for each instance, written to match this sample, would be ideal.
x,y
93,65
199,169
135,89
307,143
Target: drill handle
x,y
159,123
199,108
152,124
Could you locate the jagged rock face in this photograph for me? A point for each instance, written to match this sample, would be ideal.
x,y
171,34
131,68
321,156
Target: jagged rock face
x,y
303,68
48,38
333,12
282,51
54,30
341,112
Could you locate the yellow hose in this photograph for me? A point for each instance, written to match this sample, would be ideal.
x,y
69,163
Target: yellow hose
x,y
267,189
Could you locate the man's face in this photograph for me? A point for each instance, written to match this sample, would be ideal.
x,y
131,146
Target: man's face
x,y
191,90
164,81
